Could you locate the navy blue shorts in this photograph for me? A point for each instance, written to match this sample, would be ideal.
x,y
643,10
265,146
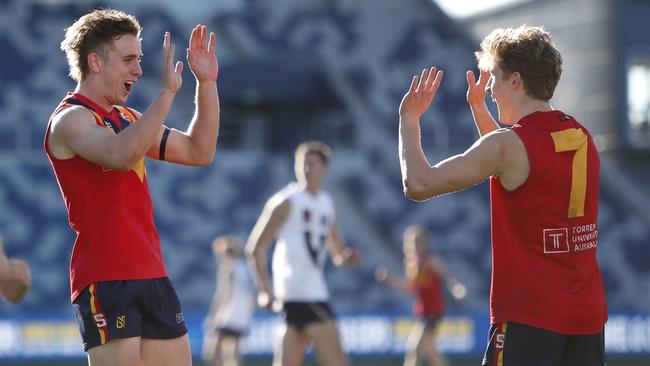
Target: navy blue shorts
x,y
515,344
301,314
123,309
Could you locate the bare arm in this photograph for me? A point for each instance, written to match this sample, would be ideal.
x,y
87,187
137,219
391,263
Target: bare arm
x,y
341,255
422,181
266,229
476,92
197,145
386,278
457,289
4,265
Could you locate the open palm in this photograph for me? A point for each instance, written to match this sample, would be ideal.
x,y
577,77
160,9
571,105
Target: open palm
x,y
201,55
421,92
476,91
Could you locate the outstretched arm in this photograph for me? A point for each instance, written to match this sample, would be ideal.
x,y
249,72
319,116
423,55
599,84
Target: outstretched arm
x,y
457,289
198,144
422,181
263,234
383,276
476,92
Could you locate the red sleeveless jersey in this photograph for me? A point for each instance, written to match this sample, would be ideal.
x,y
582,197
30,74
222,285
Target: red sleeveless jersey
x,y
110,211
545,233
429,299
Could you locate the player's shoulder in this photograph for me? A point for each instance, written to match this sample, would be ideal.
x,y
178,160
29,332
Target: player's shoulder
x,y
282,197
72,118
505,140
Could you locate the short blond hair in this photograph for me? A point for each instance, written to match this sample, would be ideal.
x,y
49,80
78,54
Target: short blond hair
x,y
528,51
92,33
314,147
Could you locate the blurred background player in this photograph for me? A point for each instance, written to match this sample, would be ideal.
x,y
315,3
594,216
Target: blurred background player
x,y
15,277
547,300
425,273
303,219
232,307
126,306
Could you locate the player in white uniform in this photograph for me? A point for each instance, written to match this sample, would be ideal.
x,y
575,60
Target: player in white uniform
x,y
303,220
232,307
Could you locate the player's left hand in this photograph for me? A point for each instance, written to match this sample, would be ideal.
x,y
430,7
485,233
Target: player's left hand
x,y
201,55
459,291
350,257
420,94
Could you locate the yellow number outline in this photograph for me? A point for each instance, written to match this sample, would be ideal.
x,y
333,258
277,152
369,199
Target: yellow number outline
x,y
574,139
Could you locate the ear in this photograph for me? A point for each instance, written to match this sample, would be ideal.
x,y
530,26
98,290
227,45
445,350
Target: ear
x,y
95,62
516,80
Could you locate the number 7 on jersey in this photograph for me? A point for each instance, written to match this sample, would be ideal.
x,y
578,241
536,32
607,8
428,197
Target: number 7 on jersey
x,y
574,139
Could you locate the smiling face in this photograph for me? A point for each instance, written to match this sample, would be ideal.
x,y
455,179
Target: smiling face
x,y
119,68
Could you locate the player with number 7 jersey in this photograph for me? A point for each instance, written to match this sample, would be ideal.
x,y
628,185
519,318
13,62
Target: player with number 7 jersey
x,y
545,232
547,300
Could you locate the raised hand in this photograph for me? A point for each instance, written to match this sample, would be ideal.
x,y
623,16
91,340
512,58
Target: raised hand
x,y
171,74
476,91
201,56
420,94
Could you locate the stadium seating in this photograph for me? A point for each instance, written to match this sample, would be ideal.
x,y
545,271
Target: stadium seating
x,y
368,73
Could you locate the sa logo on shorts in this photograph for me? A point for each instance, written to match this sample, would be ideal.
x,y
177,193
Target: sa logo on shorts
x,y
100,320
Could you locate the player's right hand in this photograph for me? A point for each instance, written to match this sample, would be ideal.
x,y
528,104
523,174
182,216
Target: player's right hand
x,y
19,282
267,301
476,91
171,74
459,291
381,274
420,93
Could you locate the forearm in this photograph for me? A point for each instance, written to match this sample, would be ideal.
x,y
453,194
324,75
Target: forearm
x,y
398,284
5,270
134,142
484,121
413,162
204,128
260,272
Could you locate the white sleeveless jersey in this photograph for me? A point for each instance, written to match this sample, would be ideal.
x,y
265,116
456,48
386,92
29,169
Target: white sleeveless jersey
x,y
237,310
300,249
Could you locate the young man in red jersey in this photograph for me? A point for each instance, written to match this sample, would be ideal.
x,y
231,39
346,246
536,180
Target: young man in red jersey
x,y
15,277
547,302
424,275
127,310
